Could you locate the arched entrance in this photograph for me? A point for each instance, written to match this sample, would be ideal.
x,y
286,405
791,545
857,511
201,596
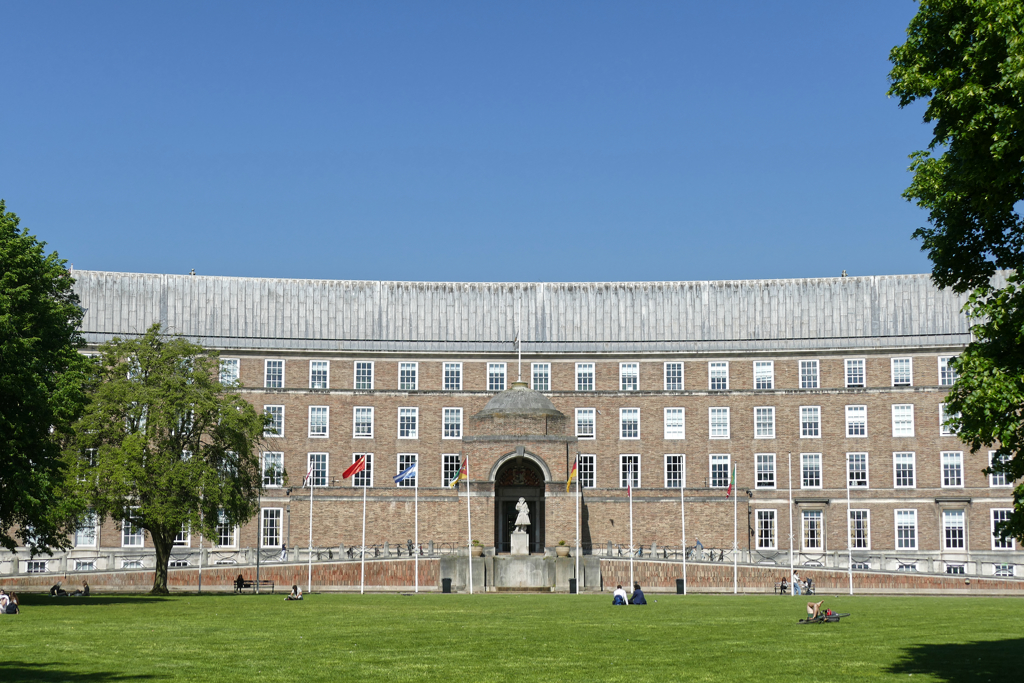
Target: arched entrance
x,y
518,478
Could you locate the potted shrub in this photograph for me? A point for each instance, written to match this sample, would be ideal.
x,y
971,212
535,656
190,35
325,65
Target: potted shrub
x,y
562,550
477,550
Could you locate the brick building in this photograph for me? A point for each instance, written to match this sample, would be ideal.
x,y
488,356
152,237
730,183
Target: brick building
x,y
814,392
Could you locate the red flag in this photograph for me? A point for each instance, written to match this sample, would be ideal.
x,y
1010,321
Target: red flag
x,y
358,466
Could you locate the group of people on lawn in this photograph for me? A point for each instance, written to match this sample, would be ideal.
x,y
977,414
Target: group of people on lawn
x,y
619,596
9,603
57,591
799,587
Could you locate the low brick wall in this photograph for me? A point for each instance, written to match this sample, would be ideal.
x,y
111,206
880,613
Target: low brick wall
x,y
718,578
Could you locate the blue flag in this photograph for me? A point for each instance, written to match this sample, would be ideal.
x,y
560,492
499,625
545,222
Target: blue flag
x,y
409,471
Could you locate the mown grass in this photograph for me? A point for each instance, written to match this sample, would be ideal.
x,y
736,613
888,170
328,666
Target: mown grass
x,y
508,638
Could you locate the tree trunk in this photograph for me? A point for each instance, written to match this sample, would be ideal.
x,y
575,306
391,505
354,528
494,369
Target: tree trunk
x,y
163,557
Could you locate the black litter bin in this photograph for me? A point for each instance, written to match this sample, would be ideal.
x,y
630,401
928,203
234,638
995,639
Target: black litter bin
x,y
572,585
446,585
680,587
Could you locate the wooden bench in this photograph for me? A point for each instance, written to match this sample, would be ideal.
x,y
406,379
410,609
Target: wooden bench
x,y
253,585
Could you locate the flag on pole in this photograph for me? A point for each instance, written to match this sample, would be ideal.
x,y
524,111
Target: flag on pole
x,y
572,474
356,467
732,483
461,476
309,476
408,472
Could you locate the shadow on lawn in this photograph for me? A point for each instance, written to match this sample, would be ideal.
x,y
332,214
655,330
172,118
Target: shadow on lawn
x,y
28,600
994,660
29,672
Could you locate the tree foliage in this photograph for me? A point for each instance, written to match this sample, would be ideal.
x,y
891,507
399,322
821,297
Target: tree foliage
x,y
966,58
164,444
42,379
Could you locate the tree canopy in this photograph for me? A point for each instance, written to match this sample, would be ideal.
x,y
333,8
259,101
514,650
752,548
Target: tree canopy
x,y
42,378
966,58
164,446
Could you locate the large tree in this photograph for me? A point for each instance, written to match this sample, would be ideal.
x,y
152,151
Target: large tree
x,y
164,445
41,387
966,59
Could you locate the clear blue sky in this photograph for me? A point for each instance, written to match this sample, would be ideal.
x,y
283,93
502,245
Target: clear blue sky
x,y
464,141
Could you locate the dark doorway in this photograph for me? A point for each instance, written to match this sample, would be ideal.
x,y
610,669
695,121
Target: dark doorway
x,y
517,479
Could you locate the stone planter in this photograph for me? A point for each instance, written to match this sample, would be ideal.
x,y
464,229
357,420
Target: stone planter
x,y
477,551
562,550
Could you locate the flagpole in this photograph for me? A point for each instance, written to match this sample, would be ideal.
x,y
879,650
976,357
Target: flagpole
x,y
629,490
682,511
735,547
577,523
309,574
792,588
416,517
469,523
362,557
849,544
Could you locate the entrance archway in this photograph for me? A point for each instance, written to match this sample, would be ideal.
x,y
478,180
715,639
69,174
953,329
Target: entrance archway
x,y
518,478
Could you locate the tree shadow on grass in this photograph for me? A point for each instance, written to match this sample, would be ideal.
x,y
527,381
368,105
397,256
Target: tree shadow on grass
x,y
46,601
32,672
991,660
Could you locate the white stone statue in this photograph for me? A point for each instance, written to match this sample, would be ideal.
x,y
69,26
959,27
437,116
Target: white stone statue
x,y
523,519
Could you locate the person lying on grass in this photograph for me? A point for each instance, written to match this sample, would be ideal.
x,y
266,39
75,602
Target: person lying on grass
x,y
813,609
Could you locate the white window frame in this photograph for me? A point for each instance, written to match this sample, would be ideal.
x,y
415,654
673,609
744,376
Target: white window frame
x,y
326,469
88,531
764,373
947,375
265,514
624,471
956,460
629,377
279,478
895,363
363,479
850,363
766,520
407,412
582,372
315,427
720,412
912,459
807,379
233,534
911,515
675,423
949,522
362,411
588,470
230,370
851,412
682,376
1001,480
867,470
266,373
405,460
806,458
410,368
867,529
446,415
764,422
903,428
719,458
542,370
583,413
718,370
451,377
810,422
675,460
1010,544
132,535
497,376
768,461
326,371
450,466
280,433
805,527
943,416
624,413
367,365
184,538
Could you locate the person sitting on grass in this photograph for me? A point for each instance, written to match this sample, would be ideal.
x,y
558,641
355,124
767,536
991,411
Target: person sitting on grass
x,y
3,601
638,596
813,609
57,592
296,593
12,606
82,592
619,596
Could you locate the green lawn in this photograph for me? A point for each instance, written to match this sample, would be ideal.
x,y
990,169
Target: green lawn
x,y
508,638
